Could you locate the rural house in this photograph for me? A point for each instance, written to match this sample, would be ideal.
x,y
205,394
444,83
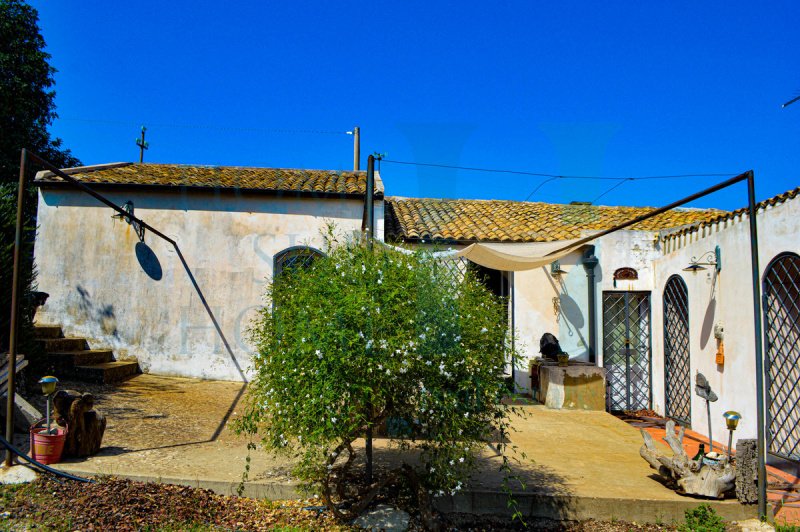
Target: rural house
x,y
653,304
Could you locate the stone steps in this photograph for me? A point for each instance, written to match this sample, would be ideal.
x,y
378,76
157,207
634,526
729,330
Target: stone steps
x,y
73,358
107,372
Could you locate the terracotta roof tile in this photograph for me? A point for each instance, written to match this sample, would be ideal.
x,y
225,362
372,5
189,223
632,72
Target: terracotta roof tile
x,y
459,220
723,216
226,177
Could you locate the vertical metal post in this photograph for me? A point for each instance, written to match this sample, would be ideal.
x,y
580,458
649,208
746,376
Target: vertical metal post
x,y
590,261
710,439
756,272
356,148
15,299
370,226
369,200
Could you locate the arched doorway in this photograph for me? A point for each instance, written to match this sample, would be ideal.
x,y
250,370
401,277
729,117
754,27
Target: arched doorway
x,y
782,350
677,373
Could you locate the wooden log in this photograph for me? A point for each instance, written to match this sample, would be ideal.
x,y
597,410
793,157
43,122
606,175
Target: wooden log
x,y
85,425
686,475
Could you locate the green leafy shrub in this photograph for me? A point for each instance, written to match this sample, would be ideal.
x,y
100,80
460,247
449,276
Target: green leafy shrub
x,y
702,519
364,338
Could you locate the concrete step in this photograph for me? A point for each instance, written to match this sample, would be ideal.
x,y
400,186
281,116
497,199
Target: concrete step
x,y
48,331
62,364
107,372
59,345
70,359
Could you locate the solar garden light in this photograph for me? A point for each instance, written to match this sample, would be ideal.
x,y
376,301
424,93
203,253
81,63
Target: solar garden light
x,y
48,384
732,421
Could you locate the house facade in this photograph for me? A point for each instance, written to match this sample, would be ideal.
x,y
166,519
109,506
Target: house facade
x,y
625,301
182,311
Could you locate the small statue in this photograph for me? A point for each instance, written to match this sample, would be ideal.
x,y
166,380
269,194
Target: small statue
x,y
85,425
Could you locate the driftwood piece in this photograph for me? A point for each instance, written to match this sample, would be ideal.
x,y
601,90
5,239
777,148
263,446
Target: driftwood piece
x,y
85,425
686,475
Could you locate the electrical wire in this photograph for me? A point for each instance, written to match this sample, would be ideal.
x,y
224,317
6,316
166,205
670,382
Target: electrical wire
x,y
554,177
622,182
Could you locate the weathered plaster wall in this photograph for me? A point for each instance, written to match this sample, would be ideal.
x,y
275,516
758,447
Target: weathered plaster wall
x,y
87,262
728,300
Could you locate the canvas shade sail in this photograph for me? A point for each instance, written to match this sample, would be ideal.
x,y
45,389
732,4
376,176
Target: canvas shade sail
x,y
517,257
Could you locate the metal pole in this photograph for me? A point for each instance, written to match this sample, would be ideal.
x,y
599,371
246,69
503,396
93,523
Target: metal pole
x,y
370,208
756,271
15,299
369,200
656,212
710,440
356,148
590,261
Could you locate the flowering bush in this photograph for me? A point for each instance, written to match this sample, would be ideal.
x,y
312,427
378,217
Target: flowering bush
x,y
369,338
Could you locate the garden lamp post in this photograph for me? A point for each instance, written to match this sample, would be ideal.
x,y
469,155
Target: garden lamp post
x,y
48,385
732,421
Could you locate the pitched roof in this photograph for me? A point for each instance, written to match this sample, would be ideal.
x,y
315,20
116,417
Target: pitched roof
x,y
311,182
457,220
723,216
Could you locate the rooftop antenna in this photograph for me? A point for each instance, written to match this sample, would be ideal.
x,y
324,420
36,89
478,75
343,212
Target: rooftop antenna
x,y
790,102
143,145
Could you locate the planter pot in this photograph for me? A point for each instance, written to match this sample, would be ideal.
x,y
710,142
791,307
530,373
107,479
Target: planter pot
x,y
47,448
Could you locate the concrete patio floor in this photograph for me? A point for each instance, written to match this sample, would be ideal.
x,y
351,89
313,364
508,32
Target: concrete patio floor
x,y
579,464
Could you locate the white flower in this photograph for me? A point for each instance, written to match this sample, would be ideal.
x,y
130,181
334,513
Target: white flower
x,y
461,460
333,420
452,462
319,356
380,281
484,330
369,344
303,340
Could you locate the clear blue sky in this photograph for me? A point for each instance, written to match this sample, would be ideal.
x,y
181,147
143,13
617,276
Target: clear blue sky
x,y
612,89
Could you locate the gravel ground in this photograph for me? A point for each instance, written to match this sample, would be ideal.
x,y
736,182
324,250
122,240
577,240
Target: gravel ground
x,y
124,505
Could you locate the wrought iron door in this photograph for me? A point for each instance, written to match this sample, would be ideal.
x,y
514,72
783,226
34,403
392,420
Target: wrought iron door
x,y
626,349
677,375
782,339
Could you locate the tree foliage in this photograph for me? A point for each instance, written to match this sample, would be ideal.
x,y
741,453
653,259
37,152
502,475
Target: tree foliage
x,y
27,98
378,338
27,108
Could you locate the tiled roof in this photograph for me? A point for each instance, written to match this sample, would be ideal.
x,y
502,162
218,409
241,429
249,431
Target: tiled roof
x,y
738,213
459,220
328,182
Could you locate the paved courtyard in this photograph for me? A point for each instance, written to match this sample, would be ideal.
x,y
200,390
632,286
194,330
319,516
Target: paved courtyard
x,y
579,464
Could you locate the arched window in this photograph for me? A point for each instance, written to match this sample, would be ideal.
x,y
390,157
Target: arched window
x,y
782,349
677,373
294,257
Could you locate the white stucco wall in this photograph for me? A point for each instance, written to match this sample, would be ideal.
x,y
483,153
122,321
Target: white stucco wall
x,y
728,300
98,289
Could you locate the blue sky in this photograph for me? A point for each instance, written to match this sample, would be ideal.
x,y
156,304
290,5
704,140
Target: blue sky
x,y
583,88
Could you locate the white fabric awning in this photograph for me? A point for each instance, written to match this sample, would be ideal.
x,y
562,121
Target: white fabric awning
x,y
516,257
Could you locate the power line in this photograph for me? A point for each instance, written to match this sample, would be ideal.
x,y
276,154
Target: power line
x,y
557,176
594,201
208,126
554,177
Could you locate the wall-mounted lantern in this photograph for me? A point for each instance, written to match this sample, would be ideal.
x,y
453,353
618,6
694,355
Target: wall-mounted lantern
x,y
710,258
555,268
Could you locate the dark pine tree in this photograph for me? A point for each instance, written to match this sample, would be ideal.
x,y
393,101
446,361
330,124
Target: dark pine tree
x,y
27,108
